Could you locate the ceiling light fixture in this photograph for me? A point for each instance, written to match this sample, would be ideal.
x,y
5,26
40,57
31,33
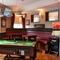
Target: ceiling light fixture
x,y
22,0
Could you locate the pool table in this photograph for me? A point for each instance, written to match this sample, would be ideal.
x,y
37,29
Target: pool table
x,y
20,48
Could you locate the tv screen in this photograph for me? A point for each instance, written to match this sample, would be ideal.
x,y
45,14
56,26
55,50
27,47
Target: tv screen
x,y
7,12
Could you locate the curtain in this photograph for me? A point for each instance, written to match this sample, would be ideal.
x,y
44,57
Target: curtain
x,y
12,20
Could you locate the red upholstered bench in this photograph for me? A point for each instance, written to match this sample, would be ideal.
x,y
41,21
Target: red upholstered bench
x,y
43,41
5,38
9,33
42,36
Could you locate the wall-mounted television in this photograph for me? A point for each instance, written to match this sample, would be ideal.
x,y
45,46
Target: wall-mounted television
x,y
7,12
52,15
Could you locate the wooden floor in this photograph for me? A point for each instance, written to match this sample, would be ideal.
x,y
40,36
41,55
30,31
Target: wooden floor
x,y
39,56
42,56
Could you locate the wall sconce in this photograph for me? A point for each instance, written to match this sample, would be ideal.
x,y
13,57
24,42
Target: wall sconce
x,y
41,12
24,15
41,15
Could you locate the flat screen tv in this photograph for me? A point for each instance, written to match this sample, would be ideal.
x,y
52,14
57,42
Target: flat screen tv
x,y
7,12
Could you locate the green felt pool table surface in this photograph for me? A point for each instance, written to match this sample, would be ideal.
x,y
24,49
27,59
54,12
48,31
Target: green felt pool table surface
x,y
20,48
19,43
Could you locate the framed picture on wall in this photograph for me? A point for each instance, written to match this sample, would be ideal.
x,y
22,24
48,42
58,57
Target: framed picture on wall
x,y
3,22
27,22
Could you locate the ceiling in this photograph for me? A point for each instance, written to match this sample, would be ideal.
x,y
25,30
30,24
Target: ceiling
x,y
18,2
27,5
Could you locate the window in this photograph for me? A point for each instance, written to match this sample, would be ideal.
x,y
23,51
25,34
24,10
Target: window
x,y
36,18
52,16
17,26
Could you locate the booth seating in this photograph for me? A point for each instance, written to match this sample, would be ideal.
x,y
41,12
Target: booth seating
x,y
42,35
41,38
10,33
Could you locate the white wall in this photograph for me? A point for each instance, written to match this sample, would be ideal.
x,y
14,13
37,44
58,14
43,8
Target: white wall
x,y
42,20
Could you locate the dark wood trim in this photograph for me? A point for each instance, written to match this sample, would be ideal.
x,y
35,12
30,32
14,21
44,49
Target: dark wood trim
x,y
32,29
32,18
2,35
46,16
